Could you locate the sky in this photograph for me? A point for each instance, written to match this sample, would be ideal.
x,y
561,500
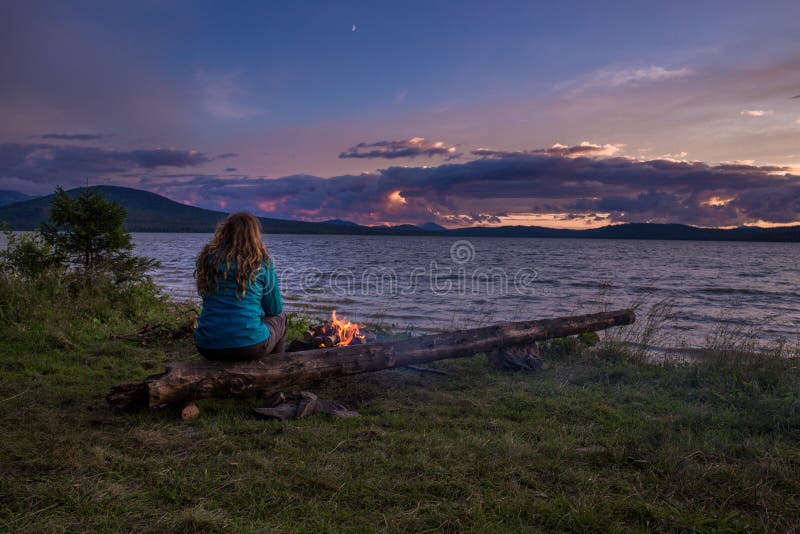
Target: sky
x,y
564,114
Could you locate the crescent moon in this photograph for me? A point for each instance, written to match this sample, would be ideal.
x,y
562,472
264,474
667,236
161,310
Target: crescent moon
x,y
354,27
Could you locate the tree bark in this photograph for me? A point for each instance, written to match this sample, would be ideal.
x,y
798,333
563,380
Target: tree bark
x,y
186,381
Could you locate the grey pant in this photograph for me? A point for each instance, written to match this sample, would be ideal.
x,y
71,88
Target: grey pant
x,y
276,342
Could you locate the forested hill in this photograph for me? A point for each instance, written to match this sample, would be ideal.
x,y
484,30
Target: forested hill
x,y
9,197
149,212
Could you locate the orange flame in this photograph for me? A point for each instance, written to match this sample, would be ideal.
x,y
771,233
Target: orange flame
x,y
346,330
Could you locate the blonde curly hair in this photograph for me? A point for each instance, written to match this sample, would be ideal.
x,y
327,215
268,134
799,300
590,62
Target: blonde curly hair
x,y
237,245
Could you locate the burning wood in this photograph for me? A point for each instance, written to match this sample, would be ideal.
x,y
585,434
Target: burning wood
x,y
335,332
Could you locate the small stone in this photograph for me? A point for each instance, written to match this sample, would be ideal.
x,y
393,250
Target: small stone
x,y
190,411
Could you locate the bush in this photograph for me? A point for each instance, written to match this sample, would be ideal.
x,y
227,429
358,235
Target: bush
x,y
28,255
79,269
87,232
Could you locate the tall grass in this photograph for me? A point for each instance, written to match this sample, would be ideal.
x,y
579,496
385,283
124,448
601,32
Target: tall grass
x,y
60,300
652,337
636,342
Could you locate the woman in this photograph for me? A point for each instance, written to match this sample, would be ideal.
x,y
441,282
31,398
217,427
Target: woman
x,y
242,317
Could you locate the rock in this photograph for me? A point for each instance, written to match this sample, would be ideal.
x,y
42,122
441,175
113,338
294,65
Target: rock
x,y
306,404
190,411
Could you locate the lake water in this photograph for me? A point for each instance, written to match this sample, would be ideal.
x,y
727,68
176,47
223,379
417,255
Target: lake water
x,y
432,283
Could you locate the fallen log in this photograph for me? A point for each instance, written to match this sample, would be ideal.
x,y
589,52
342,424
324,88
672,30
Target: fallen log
x,y
186,381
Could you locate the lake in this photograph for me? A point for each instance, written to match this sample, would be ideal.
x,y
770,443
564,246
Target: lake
x,y
431,283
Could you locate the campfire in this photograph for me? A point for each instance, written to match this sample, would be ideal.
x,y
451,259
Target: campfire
x,y
335,332
344,332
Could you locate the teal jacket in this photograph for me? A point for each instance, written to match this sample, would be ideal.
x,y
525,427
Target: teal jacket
x,y
229,320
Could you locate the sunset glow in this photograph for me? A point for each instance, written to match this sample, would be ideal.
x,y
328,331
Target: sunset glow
x,y
551,118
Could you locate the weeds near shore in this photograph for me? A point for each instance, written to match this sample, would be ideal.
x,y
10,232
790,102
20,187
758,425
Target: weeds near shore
x,y
651,338
635,342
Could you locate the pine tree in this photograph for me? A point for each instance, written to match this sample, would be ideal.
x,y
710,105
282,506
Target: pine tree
x,y
87,232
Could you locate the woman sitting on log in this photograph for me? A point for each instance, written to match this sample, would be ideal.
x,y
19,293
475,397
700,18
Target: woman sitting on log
x,y
242,316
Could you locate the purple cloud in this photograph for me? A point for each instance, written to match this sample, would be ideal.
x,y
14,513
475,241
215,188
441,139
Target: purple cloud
x,y
615,189
69,164
406,148
75,137
584,149
560,181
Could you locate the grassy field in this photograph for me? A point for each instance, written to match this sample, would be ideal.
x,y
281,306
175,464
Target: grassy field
x,y
601,440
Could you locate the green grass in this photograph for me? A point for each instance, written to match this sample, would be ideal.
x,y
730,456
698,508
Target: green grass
x,y
596,442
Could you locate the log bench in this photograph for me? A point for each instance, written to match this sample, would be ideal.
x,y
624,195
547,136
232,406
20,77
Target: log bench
x,y
188,381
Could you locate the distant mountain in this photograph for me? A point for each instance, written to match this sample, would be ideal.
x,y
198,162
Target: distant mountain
x,y
432,227
9,197
149,212
340,222
639,231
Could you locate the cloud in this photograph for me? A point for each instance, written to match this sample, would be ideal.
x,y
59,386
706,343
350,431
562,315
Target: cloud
x,y
471,219
227,155
222,96
653,73
588,180
75,137
406,148
70,164
615,77
756,112
613,189
584,149
680,156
